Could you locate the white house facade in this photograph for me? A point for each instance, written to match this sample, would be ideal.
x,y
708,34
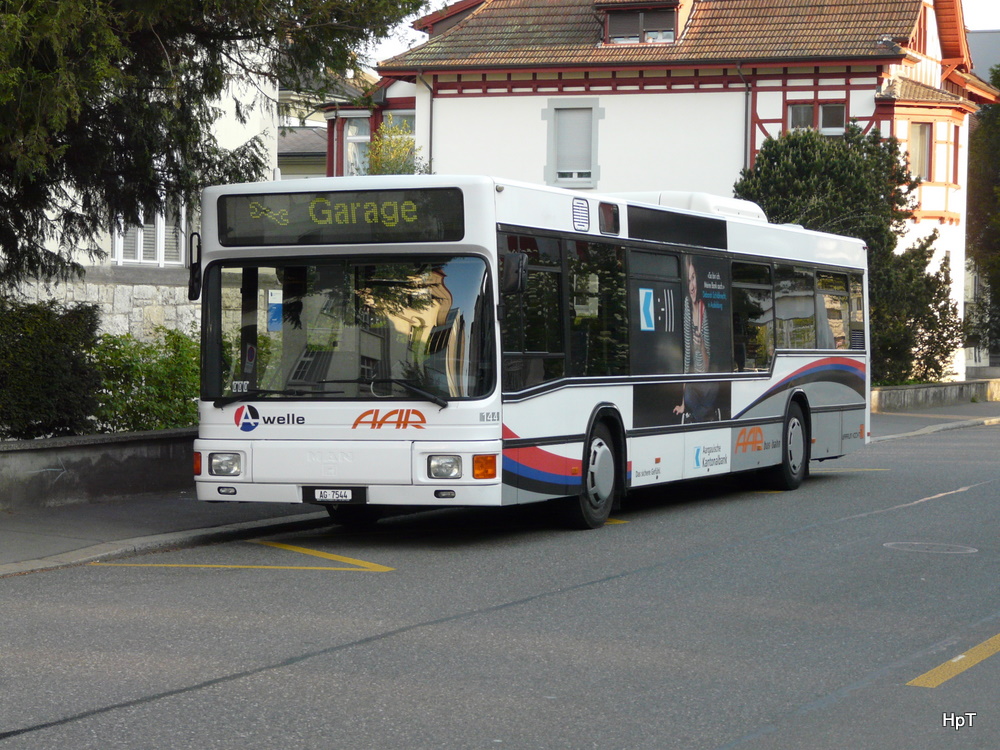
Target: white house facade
x,y
621,95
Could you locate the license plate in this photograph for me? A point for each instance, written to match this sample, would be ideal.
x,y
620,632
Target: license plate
x,y
334,496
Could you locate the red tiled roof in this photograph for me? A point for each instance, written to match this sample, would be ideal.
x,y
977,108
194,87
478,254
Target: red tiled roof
x,y
532,33
646,3
978,90
905,89
908,90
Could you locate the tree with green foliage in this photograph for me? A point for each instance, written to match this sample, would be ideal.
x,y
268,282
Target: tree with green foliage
x,y
392,151
859,185
983,212
107,108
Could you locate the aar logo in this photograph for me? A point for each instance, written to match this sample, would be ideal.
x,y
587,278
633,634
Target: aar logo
x,y
247,418
398,419
751,439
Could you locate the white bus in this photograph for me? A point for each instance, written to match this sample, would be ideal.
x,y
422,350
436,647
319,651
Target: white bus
x,y
470,341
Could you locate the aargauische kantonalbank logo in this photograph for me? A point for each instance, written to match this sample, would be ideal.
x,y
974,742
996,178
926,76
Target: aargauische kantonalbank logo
x,y
247,418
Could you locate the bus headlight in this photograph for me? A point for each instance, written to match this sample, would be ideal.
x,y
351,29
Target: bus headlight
x,y
225,464
444,467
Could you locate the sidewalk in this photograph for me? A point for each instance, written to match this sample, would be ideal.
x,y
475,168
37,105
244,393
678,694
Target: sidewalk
x,y
39,538
891,425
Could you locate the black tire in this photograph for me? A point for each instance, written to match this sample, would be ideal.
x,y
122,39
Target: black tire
x,y
601,483
794,466
354,516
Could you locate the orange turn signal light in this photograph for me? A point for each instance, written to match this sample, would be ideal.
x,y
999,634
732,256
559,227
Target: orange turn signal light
x,y
484,466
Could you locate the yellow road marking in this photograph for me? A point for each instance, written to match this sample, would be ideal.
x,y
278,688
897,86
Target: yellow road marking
x,y
356,565
233,567
614,520
959,664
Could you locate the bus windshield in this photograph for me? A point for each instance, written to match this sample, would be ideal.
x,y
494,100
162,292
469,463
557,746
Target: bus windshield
x,y
419,327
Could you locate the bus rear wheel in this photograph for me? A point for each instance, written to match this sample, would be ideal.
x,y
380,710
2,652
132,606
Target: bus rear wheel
x,y
794,466
601,483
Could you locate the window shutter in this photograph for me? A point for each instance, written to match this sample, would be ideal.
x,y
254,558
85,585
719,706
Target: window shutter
x,y
658,21
148,234
172,238
623,25
574,142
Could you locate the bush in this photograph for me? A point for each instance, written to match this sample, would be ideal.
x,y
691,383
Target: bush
x,y
48,384
147,385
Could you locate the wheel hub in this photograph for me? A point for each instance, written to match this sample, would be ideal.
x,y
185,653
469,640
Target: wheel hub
x,y
601,472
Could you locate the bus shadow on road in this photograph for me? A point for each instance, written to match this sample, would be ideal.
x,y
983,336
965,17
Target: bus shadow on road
x,y
458,527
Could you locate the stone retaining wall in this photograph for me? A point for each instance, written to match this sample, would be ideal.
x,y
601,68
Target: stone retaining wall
x,y
910,397
94,468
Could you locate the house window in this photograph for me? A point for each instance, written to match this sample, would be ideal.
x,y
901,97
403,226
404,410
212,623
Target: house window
x,y
955,153
159,241
399,150
357,134
572,142
403,120
830,118
647,26
921,142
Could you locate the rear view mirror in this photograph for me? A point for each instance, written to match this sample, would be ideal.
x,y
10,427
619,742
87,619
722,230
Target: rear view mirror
x,y
513,273
194,278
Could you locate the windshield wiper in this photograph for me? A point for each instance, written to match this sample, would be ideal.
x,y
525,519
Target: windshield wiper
x,y
411,387
416,389
226,400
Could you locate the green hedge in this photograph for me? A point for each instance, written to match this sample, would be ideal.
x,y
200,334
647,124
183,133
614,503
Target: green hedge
x,y
58,377
48,384
147,385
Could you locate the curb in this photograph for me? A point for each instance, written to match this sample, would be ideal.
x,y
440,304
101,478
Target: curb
x,y
939,428
173,539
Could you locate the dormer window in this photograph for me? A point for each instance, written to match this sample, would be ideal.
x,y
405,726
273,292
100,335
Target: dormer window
x,y
645,26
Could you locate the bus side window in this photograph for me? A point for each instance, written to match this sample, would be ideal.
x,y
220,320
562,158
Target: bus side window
x,y
533,343
795,307
857,308
598,323
753,317
831,310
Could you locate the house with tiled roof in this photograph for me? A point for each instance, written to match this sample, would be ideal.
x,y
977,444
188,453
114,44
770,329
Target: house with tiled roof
x,y
639,95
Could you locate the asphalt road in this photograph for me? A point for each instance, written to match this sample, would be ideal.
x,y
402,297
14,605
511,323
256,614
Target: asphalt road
x,y
861,611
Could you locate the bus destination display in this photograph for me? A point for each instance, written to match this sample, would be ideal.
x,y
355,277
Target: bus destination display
x,y
342,217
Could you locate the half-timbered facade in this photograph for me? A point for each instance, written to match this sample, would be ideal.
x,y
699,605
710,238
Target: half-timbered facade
x,y
633,95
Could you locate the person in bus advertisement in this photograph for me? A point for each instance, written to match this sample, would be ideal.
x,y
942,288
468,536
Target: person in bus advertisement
x,y
706,304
